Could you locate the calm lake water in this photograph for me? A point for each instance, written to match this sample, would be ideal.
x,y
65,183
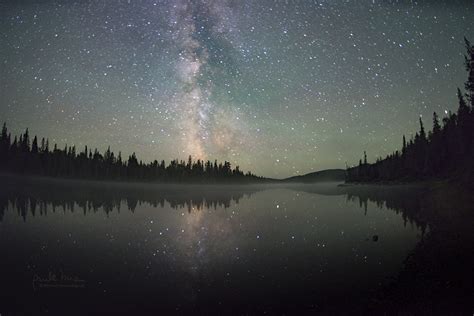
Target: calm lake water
x,y
179,248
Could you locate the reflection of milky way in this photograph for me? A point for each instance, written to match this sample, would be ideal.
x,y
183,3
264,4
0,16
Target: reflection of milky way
x,y
206,233
193,102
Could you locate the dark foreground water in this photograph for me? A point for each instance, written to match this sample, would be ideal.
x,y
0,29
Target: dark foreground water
x,y
79,247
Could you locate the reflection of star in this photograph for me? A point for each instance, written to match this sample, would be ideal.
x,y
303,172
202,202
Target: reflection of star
x,y
199,240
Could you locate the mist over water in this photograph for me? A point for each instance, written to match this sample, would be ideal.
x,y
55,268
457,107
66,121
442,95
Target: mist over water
x,y
181,248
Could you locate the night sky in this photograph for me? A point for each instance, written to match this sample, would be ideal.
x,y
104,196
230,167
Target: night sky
x,y
277,87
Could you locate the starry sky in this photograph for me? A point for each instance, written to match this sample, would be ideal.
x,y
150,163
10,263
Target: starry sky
x,y
278,87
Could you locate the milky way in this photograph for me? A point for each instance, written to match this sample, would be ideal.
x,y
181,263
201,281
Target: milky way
x,y
277,87
194,102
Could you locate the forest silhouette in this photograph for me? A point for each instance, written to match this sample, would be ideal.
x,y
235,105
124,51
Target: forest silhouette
x,y
446,151
23,156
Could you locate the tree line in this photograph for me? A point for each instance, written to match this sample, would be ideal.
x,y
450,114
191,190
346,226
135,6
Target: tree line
x,y
21,155
445,151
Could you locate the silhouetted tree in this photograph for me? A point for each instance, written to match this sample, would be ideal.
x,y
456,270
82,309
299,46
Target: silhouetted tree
x,y
447,151
469,63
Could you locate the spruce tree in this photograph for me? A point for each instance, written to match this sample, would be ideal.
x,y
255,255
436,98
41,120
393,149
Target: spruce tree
x,y
34,146
469,63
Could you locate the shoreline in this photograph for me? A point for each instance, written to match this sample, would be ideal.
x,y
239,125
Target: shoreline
x,y
117,182
434,183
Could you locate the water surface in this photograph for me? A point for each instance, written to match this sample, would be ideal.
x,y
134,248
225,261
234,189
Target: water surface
x,y
77,246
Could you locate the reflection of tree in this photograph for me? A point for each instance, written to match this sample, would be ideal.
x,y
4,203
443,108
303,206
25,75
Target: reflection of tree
x,y
437,275
36,196
3,206
438,272
405,200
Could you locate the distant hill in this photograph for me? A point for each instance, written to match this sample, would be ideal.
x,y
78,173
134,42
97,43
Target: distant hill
x,y
319,176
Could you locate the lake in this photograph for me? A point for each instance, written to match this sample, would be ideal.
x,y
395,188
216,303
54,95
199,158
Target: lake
x,y
72,246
